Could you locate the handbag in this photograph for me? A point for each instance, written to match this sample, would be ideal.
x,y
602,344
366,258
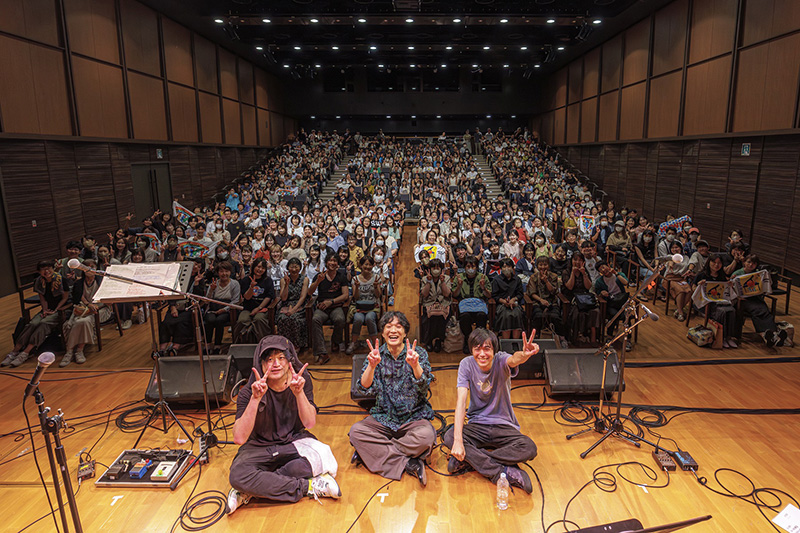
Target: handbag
x,y
585,302
365,305
473,305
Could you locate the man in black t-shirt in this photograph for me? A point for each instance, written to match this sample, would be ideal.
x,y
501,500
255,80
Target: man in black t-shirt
x,y
273,413
332,293
235,227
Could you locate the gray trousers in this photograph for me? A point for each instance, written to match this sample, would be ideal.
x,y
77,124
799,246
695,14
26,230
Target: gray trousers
x,y
276,473
37,330
386,451
337,318
489,447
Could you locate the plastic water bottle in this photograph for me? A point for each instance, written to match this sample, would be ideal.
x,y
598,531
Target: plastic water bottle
x,y
502,492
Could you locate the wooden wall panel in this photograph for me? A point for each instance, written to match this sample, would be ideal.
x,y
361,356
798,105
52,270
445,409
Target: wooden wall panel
x,y
573,123
688,177
589,120
741,189
205,57
607,128
246,88
611,64
121,176
665,104
227,74
669,38
712,27
180,173
140,35
208,170
34,19
210,120
706,102
65,191
635,173
669,180
610,171
546,131
559,126
262,98
560,94
277,129
100,97
147,107
631,112
713,164
92,26
575,81
764,19
591,72
650,180
232,121
637,53
178,52
98,201
766,85
249,126
183,113
793,252
263,127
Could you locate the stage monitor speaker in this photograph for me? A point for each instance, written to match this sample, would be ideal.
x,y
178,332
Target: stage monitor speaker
x,y
182,384
365,401
242,355
533,368
578,372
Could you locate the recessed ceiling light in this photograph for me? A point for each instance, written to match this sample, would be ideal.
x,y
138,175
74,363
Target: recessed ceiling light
x,y
438,116
488,116
266,21
456,21
551,21
412,65
317,66
380,65
560,48
219,21
523,47
313,117
413,116
373,47
537,65
409,20
314,21
474,66
259,47
444,65
362,20
485,47
388,116
338,116
410,47
513,116
286,66
503,21
334,47
297,48
596,21
505,66
448,47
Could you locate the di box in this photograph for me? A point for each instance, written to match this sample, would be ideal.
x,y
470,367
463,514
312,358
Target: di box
x,y
579,372
365,401
182,383
533,368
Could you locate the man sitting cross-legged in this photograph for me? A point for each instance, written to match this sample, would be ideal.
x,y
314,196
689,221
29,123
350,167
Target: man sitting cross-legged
x,y
491,443
279,460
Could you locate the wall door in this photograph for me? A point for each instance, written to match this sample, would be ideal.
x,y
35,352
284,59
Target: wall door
x,y
152,188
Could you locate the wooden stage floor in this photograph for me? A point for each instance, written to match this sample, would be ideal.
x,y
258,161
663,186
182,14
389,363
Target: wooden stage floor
x,y
760,446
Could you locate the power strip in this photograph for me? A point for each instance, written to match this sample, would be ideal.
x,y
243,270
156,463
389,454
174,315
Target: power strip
x,y
664,461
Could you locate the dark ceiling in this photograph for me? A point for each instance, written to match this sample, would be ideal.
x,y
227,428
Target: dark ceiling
x,y
524,35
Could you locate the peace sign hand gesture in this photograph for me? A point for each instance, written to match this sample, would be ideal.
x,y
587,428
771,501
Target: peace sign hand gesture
x,y
259,386
529,348
374,355
297,381
412,357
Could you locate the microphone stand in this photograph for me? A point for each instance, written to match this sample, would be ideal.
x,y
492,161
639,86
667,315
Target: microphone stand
x,y
51,425
615,426
208,440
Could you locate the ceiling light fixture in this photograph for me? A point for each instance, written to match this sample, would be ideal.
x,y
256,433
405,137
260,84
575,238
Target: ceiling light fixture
x,y
410,47
297,48
505,66
503,21
551,21
438,116
596,21
313,117
380,65
334,47
537,65
259,48
475,66
456,21
317,66
413,116
285,66
313,21
412,65
409,20
485,47
560,48
444,65
266,21
362,20
513,116
388,116
523,47
373,47
219,21
448,47
488,116
338,116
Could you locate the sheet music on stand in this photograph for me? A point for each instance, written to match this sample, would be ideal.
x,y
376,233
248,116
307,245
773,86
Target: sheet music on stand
x,y
176,276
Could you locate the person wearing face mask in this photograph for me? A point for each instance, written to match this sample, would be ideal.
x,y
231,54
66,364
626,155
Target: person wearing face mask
x,y
600,234
737,237
507,292
690,247
620,243
435,292
646,255
542,290
666,243
472,289
170,251
217,317
388,240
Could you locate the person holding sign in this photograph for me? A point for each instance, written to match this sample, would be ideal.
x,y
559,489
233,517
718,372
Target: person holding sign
x,y
274,411
491,443
756,308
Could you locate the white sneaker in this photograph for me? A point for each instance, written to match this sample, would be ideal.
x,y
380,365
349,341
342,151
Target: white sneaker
x,y
236,499
80,358
126,324
350,348
19,359
67,359
141,317
10,357
324,486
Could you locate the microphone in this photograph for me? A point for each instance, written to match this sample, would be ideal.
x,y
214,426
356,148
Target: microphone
x,y
651,315
675,258
75,264
45,359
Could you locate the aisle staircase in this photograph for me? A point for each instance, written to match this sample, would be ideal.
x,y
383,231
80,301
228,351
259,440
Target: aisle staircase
x,y
329,190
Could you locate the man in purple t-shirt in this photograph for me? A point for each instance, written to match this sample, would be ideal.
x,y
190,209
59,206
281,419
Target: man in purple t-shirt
x,y
491,443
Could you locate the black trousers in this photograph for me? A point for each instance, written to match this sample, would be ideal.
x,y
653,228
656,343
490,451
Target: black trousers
x,y
466,321
542,316
215,326
756,308
489,447
276,473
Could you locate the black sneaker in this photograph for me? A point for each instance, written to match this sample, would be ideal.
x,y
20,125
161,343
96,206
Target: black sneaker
x,y
356,460
518,478
456,467
770,338
781,337
416,468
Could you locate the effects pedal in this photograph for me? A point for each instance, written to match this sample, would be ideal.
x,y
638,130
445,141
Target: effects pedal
x,y
685,461
86,470
140,469
664,461
115,472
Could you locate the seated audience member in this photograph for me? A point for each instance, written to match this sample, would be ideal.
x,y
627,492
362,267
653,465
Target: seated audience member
x,y
472,289
276,266
559,262
346,266
543,248
507,292
257,292
737,238
274,412
646,254
724,313
290,317
620,243
423,266
397,435
665,244
698,259
79,329
491,442
526,266
53,298
584,315
690,247
600,234
543,289
366,304
217,316
435,291
512,248
589,251
734,259
570,245
756,308
177,328
69,275
332,293
612,286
